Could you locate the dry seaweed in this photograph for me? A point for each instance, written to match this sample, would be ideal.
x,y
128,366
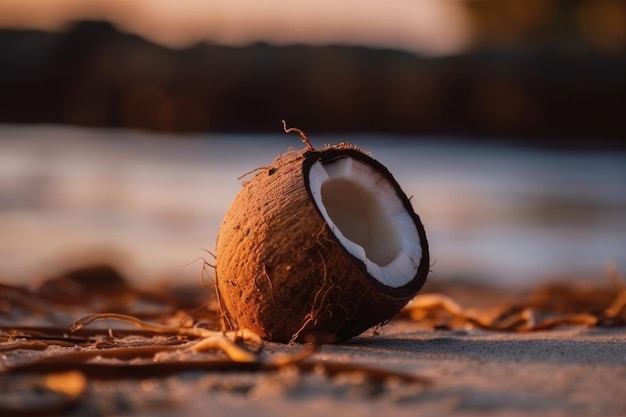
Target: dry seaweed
x,y
546,307
43,394
126,334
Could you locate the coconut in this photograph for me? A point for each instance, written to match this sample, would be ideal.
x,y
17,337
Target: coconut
x,y
322,244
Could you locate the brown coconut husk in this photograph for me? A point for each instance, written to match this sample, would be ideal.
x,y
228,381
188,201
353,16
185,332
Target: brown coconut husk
x,y
282,273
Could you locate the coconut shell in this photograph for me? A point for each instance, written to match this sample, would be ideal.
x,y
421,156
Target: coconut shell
x,y
282,273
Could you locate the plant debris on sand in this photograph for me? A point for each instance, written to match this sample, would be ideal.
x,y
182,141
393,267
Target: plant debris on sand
x,y
90,325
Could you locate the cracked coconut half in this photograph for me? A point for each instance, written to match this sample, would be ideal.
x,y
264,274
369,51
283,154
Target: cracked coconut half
x,y
320,245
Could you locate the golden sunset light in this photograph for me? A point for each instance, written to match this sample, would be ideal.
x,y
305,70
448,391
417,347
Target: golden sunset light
x,y
312,208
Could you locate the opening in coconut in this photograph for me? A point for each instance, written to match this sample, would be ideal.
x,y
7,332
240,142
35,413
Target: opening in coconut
x,y
362,208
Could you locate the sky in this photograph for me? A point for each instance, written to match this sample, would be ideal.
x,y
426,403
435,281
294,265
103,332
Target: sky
x,y
428,27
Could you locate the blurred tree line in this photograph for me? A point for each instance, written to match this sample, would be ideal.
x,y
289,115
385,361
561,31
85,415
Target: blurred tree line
x,y
538,72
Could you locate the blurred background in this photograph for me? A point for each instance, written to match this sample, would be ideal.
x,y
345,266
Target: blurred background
x,y
125,125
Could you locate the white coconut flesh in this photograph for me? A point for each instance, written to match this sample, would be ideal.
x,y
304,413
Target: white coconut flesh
x,y
367,216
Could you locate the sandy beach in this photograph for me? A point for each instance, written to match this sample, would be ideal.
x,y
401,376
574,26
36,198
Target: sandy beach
x,y
407,367
570,372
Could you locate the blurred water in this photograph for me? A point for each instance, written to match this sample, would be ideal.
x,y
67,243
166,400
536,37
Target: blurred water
x,y
154,203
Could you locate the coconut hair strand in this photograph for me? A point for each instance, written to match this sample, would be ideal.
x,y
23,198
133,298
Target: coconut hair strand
x,y
303,135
